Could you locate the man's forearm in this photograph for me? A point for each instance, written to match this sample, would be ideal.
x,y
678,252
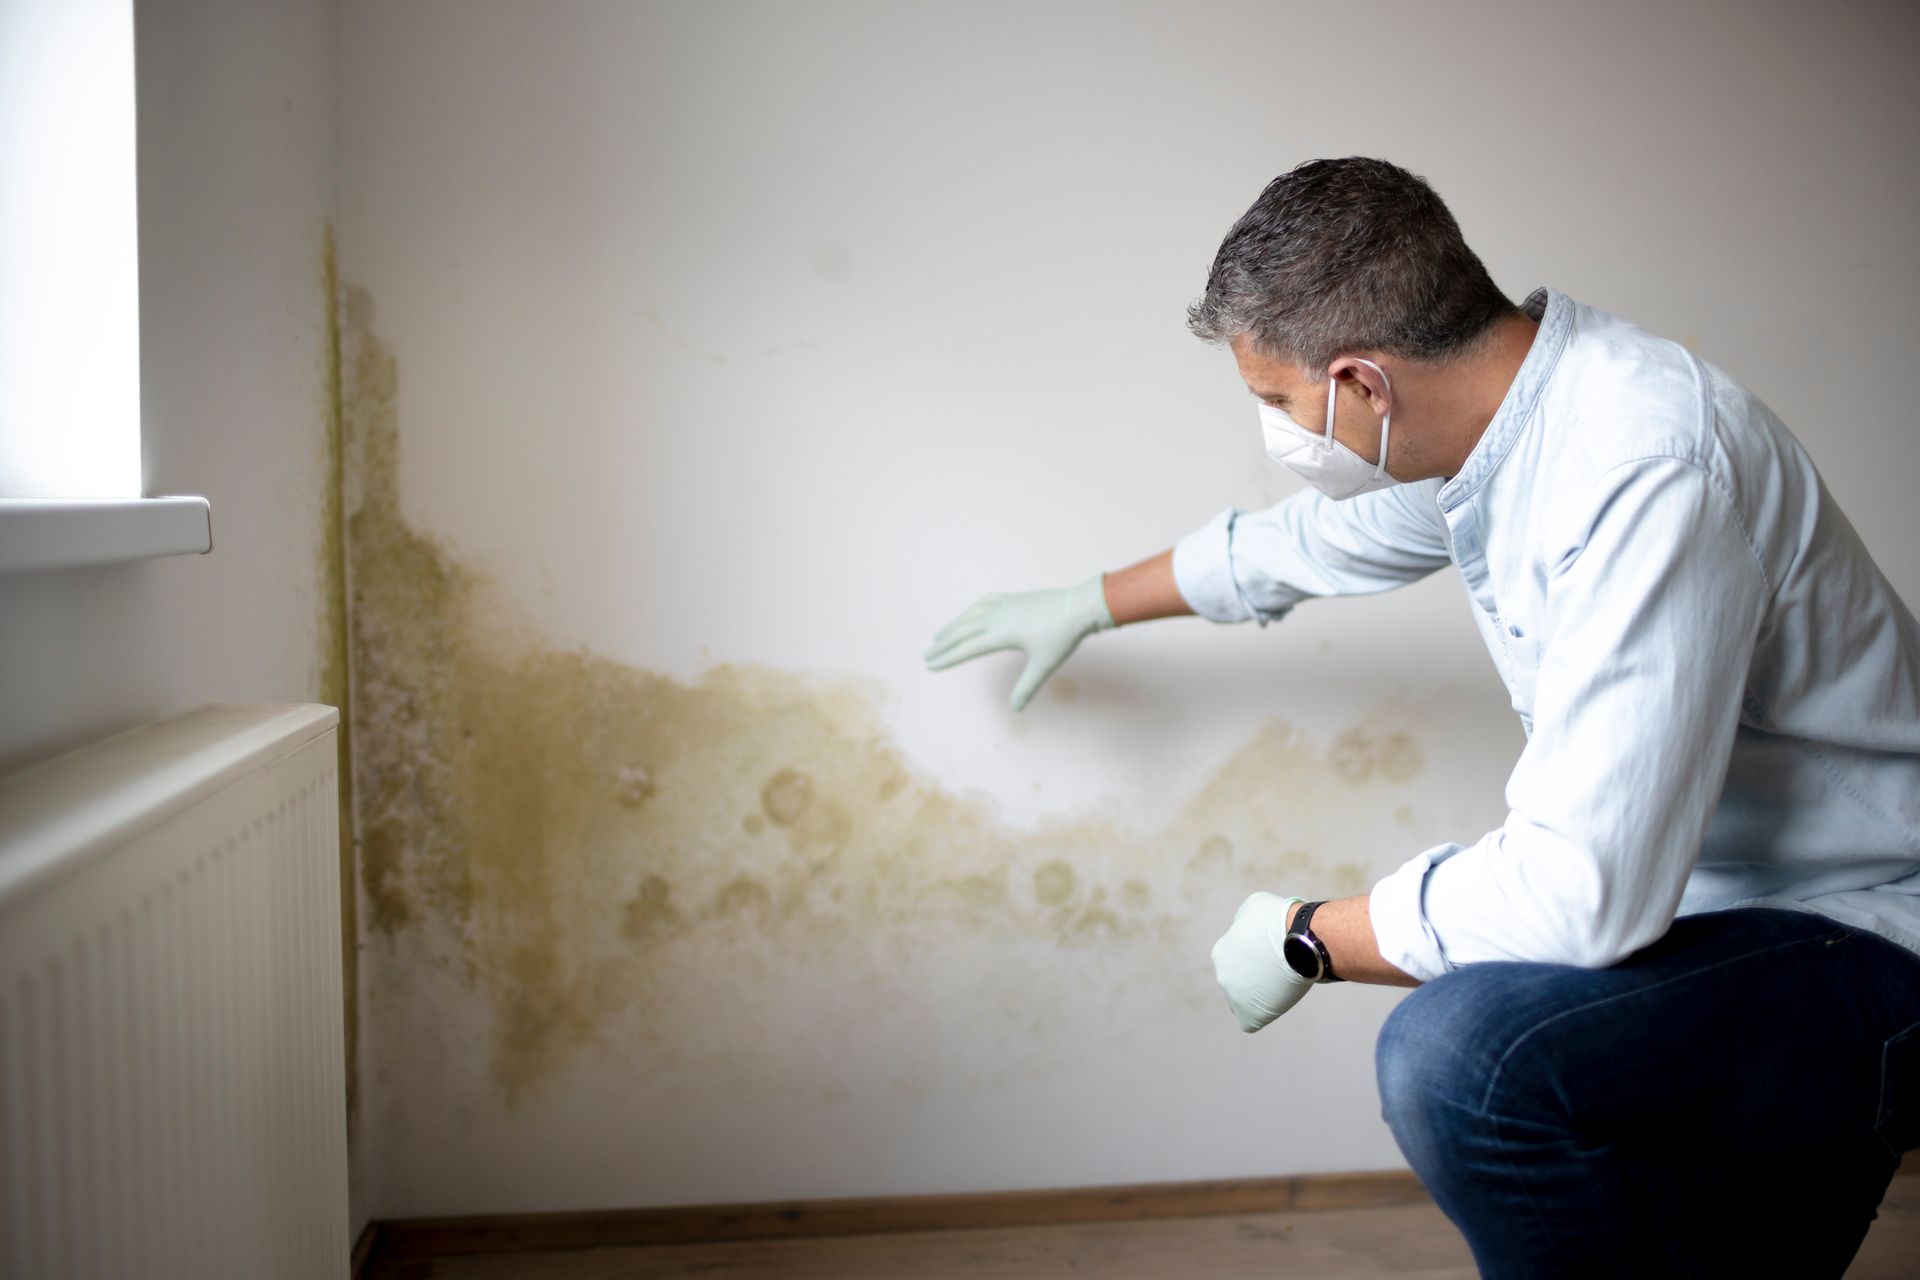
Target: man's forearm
x,y
1344,925
1145,590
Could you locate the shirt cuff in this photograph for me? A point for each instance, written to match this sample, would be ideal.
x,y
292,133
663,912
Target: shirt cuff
x,y
1204,572
1396,907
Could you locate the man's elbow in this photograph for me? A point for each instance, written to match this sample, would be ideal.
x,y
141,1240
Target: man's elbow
x,y
1585,953
1598,944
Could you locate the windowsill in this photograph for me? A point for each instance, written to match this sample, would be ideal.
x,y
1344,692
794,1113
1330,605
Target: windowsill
x,y
63,533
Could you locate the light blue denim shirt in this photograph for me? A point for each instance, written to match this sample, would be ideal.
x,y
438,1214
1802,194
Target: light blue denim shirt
x,y
1721,691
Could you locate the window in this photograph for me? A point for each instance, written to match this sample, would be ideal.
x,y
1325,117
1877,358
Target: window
x,y
69,295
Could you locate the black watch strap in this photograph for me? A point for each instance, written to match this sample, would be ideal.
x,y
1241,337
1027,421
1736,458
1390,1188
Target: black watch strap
x,y
1302,928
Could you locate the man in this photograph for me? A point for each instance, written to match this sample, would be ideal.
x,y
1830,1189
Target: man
x,y
1668,1016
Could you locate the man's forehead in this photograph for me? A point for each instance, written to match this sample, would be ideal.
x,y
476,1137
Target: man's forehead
x,y
1257,367
1267,377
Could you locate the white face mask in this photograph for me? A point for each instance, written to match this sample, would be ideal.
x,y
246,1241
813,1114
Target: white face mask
x,y
1321,460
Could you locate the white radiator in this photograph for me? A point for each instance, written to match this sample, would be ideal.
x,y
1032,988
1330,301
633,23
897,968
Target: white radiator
x,y
172,1090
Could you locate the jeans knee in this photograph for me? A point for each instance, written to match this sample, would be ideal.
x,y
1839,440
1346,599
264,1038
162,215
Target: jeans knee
x,y
1402,1057
1442,1043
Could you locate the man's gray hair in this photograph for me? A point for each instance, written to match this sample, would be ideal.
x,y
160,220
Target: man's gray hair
x,y
1341,256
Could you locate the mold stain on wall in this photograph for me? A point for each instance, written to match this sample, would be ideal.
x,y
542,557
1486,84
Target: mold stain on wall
x,y
593,836
331,574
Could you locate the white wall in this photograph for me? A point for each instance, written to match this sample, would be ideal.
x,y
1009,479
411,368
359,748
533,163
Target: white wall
x,y
236,177
772,334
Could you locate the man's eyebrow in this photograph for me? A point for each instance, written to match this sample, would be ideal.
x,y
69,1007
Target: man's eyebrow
x,y
1271,395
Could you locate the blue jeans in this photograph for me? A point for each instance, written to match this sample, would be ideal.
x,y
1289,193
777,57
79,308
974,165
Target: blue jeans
x,y
1729,1101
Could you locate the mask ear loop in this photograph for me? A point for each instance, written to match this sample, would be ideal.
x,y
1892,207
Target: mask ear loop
x,y
1386,420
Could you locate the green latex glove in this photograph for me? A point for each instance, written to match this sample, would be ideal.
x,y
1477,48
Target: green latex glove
x,y
1247,962
1045,625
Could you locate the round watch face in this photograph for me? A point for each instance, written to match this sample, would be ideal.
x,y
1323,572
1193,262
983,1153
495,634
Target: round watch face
x,y
1300,956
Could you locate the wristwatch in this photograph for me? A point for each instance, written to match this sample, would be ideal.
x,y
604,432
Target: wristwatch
x,y
1304,953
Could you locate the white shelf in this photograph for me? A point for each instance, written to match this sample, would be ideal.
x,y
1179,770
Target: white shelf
x,y
60,533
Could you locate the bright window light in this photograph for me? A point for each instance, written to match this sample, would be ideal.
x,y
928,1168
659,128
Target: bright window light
x,y
69,246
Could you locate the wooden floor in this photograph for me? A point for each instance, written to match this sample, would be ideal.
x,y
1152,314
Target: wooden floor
x,y
1406,1242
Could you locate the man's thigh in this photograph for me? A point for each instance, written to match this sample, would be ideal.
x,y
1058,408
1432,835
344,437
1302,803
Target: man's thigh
x,y
1738,1028
1731,1070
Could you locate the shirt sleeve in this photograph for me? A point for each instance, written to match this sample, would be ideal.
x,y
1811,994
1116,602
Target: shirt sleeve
x,y
1653,607
1259,564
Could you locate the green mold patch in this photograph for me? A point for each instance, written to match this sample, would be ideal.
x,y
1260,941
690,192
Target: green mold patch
x,y
588,833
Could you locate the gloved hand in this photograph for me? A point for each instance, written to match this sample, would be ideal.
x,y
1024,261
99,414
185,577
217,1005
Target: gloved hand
x,y
1247,961
1045,625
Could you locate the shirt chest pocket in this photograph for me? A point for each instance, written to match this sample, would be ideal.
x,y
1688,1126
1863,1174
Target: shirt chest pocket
x,y
1521,641
1521,645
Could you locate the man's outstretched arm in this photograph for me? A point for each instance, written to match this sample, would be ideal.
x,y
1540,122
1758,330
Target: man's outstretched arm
x,y
1145,590
1239,565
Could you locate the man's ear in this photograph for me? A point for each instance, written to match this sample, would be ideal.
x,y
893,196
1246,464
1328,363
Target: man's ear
x,y
1366,379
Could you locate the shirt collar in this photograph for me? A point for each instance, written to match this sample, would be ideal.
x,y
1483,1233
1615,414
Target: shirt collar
x,y
1554,311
